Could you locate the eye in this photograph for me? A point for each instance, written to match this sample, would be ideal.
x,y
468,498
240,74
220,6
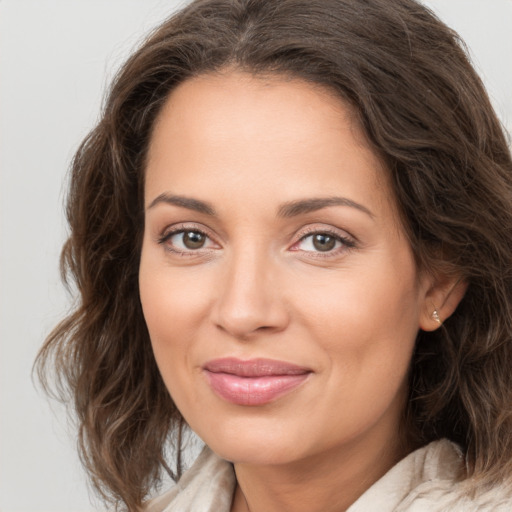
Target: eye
x,y
186,240
323,242
191,239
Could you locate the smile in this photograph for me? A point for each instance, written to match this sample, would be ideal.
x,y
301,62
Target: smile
x,y
253,382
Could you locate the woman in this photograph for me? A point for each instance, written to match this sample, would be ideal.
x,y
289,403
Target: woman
x,y
291,231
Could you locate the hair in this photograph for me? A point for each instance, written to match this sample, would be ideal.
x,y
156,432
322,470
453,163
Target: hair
x,y
422,108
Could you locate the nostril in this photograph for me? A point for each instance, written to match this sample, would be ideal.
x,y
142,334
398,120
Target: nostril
x,y
246,327
248,301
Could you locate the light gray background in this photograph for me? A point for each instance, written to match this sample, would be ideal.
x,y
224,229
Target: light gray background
x,y
55,58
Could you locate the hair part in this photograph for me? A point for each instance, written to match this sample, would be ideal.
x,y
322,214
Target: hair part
x,y
422,108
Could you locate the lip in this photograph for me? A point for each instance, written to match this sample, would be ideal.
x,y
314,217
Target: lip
x,y
253,381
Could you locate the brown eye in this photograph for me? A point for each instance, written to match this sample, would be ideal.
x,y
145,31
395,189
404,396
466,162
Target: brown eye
x,y
193,239
323,242
187,241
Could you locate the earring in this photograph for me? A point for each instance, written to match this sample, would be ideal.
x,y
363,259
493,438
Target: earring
x,y
435,316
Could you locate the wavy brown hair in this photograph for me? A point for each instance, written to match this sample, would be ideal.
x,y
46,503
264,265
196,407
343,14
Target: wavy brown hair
x,y
423,110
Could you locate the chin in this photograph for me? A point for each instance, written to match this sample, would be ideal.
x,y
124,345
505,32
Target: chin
x,y
253,444
255,453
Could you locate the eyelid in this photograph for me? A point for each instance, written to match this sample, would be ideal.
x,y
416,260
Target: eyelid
x,y
185,226
181,227
347,240
323,228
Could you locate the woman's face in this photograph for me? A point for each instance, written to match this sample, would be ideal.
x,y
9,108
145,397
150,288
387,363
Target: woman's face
x,y
278,286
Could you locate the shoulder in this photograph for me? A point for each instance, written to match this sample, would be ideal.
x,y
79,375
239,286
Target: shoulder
x,y
208,486
428,480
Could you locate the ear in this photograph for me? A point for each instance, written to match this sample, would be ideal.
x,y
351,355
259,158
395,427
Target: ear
x,y
442,297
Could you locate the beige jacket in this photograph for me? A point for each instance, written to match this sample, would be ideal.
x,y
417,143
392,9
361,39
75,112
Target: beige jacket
x,y
425,481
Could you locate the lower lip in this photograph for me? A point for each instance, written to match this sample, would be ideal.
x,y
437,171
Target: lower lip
x,y
253,390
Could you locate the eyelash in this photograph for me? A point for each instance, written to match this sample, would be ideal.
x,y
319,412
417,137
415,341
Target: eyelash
x,y
168,234
346,242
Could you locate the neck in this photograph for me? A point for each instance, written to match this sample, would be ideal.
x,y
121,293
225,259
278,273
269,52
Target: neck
x,y
328,482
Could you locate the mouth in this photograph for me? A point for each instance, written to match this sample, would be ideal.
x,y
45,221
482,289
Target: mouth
x,y
255,381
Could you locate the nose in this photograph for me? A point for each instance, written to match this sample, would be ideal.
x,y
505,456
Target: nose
x,y
250,298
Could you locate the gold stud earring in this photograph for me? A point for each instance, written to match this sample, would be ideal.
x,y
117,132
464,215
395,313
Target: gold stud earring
x,y
435,316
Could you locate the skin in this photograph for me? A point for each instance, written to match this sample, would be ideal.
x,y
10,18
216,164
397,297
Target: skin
x,y
259,287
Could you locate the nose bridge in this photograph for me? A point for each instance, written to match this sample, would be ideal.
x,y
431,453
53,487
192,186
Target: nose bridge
x,y
249,299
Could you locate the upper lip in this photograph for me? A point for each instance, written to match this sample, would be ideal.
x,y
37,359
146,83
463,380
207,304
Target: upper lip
x,y
254,367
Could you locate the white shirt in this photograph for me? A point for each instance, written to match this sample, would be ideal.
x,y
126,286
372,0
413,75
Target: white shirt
x,y
424,481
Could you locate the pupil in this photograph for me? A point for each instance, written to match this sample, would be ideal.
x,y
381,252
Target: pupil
x,y
324,242
193,239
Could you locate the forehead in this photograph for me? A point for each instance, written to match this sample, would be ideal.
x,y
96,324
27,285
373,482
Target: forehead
x,y
284,136
237,103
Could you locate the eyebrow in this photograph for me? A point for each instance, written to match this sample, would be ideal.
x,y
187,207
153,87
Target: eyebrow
x,y
184,202
289,209
302,206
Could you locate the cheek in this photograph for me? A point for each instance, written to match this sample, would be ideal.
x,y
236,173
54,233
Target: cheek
x,y
173,304
167,318
365,319
171,297
363,297
367,334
